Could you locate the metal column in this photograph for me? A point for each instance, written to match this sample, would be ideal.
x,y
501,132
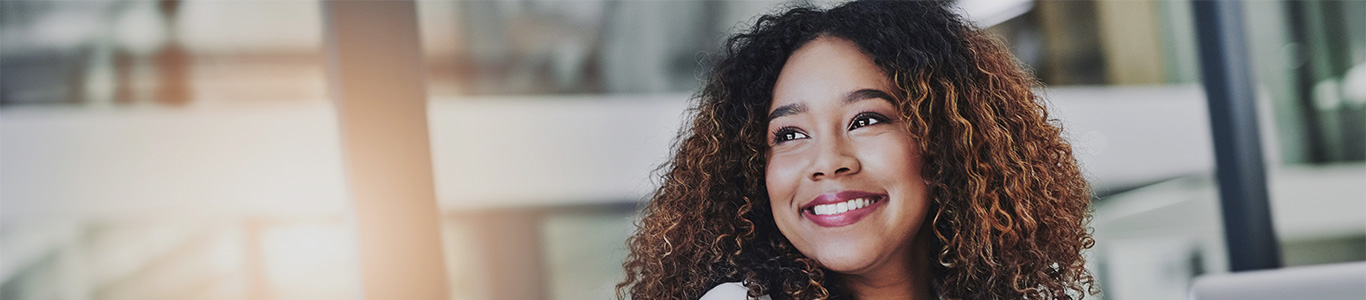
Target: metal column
x,y
1248,231
377,77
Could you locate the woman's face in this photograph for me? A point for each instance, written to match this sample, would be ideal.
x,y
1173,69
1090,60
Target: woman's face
x,y
843,173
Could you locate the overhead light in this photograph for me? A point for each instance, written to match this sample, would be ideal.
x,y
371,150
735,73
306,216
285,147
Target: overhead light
x,y
987,13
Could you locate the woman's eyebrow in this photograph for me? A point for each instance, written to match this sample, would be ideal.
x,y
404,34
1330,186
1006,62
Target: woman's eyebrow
x,y
865,94
790,109
855,96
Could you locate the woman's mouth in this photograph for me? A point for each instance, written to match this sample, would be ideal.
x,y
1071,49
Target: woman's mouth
x,y
843,208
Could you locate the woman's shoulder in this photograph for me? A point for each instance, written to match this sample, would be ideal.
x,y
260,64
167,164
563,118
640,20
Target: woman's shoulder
x,y
729,291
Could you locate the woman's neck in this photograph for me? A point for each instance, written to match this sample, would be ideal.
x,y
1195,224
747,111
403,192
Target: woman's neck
x,y
884,285
908,276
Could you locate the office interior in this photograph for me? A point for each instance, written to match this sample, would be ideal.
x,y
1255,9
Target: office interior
x,y
191,149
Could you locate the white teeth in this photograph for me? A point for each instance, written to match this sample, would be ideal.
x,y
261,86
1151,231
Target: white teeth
x,y
842,207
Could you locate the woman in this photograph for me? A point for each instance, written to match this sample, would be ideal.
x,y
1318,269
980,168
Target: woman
x,y
875,150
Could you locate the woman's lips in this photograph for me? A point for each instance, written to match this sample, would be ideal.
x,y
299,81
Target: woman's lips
x,y
843,208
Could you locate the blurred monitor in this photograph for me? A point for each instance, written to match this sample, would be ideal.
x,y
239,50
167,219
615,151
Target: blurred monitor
x,y
1336,281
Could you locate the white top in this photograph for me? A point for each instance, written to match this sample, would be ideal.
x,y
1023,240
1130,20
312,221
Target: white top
x,y
729,291
735,291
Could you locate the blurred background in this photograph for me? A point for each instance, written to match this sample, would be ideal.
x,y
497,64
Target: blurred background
x,y
190,149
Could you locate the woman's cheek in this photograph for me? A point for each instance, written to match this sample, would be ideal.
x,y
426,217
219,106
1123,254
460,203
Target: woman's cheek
x,y
782,177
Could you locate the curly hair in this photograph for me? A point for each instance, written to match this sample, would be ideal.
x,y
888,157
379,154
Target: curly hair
x,y
1009,206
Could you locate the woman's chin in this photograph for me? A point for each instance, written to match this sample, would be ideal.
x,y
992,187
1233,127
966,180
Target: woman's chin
x,y
847,261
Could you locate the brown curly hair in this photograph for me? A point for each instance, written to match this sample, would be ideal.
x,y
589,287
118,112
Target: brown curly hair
x,y
1009,207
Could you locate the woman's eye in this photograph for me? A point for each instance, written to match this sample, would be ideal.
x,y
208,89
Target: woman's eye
x,y
787,134
864,120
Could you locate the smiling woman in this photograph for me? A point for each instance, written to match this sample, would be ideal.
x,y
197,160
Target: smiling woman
x,y
843,178
874,150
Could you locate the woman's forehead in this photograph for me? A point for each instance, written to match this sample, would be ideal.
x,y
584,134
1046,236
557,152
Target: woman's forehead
x,y
826,70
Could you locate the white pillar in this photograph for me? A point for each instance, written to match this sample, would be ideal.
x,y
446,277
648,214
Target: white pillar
x,y
377,77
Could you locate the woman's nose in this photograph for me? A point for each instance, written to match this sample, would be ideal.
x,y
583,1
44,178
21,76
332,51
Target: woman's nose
x,y
834,159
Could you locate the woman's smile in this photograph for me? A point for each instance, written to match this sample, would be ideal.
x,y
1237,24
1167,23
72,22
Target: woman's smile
x,y
842,208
